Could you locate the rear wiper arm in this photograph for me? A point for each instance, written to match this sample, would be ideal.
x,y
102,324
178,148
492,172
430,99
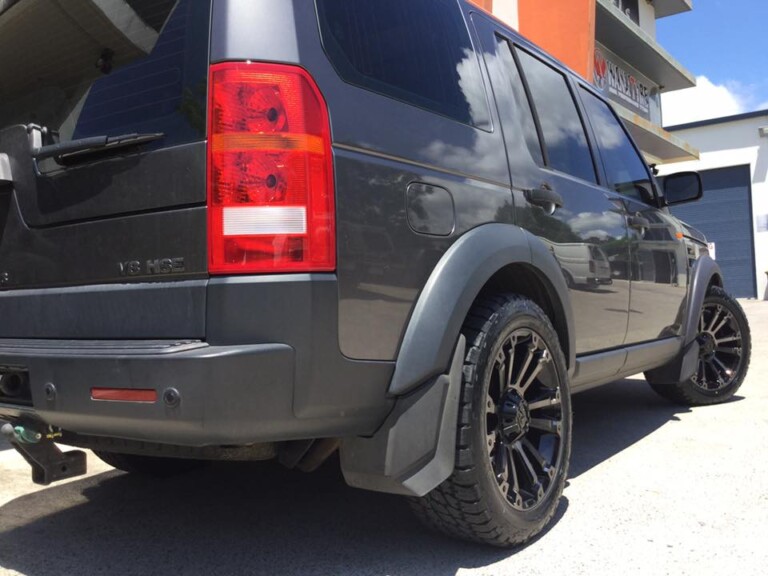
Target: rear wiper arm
x,y
86,146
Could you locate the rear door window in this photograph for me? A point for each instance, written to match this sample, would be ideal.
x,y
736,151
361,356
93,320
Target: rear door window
x,y
625,170
565,141
93,67
417,52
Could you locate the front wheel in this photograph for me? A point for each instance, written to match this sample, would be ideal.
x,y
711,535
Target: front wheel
x,y
725,347
514,435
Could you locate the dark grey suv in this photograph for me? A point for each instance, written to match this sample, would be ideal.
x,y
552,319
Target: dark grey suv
x,y
237,229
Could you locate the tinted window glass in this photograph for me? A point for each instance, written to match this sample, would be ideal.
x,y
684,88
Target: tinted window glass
x,y
516,101
419,52
106,68
561,127
625,170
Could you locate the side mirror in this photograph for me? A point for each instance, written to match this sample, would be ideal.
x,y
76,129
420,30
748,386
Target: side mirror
x,y
683,187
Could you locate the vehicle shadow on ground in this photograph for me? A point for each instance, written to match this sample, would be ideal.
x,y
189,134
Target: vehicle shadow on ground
x,y
612,418
259,518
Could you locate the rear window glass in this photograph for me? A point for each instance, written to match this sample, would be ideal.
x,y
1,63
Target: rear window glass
x,y
417,52
564,137
98,67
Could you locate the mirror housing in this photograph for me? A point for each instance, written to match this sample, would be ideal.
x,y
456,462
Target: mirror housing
x,y
682,187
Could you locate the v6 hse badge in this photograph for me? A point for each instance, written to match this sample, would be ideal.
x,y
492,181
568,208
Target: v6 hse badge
x,y
152,267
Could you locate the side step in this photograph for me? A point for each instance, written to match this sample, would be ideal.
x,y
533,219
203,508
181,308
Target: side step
x,y
49,464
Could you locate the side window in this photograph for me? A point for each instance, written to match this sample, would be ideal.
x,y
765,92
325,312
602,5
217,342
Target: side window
x,y
565,141
417,52
625,170
516,101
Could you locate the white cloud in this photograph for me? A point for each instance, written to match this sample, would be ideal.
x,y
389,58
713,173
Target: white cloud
x,y
706,100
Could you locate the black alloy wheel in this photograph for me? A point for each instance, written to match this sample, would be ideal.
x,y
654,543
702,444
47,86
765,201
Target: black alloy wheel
x,y
514,429
725,347
524,420
720,348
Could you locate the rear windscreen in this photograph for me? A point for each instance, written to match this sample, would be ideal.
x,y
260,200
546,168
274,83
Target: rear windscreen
x,y
105,67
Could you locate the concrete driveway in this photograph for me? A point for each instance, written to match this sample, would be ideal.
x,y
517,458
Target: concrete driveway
x,y
654,489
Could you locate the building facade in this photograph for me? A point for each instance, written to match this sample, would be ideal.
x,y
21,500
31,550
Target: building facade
x,y
612,43
734,211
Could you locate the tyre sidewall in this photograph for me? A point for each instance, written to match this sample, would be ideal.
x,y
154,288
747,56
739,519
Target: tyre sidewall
x,y
508,319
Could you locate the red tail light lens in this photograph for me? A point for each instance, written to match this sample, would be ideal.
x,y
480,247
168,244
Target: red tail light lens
x,y
270,172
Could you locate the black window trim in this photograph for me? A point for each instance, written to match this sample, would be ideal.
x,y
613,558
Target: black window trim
x,y
577,103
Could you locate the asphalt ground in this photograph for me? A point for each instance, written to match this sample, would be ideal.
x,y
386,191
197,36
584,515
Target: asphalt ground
x,y
653,489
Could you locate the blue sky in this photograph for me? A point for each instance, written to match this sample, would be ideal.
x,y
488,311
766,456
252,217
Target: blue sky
x,y
724,44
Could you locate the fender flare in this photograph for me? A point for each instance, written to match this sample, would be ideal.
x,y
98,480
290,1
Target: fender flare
x,y
684,365
702,273
456,281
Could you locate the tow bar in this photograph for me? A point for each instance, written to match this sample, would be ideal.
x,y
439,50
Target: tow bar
x,y
49,464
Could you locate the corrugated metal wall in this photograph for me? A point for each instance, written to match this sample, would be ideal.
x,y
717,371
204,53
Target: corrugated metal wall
x,y
724,215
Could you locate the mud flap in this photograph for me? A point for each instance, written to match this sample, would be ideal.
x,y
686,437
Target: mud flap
x,y
415,448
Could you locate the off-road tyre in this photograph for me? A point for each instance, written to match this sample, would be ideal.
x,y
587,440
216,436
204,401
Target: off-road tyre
x,y
153,466
472,503
725,348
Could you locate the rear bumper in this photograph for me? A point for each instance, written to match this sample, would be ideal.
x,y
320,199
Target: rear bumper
x,y
269,371
227,394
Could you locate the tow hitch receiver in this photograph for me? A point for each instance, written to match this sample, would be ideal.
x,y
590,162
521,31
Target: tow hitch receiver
x,y
49,464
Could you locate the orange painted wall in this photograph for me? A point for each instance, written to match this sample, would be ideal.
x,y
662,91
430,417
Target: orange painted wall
x,y
486,4
564,28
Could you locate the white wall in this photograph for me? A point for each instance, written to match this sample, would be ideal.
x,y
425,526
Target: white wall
x,y
506,10
736,143
647,17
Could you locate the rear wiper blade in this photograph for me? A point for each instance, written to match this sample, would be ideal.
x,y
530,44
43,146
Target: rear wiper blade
x,y
85,146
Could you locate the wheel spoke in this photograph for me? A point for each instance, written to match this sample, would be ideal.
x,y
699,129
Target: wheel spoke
x,y
547,424
514,476
734,338
500,462
520,375
545,357
719,327
718,376
536,486
715,317
511,367
545,465
546,403
735,351
725,371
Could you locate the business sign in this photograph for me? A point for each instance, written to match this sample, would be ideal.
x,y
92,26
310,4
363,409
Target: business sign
x,y
618,81
630,8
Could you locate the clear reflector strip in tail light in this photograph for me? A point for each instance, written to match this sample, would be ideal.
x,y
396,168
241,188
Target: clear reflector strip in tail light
x,y
270,171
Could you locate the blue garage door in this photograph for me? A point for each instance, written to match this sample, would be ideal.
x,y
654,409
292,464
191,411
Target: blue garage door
x,y
724,215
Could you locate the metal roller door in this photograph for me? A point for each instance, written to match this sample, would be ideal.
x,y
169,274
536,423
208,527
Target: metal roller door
x,y
724,215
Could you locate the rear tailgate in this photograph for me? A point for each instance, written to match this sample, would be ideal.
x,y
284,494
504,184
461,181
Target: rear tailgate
x,y
76,231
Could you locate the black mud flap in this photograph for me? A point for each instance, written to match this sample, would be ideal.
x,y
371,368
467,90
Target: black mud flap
x,y
49,464
415,449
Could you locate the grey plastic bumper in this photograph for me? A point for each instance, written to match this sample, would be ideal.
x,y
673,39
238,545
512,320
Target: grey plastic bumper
x,y
226,394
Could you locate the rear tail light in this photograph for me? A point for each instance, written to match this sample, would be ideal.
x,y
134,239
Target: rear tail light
x,y
270,171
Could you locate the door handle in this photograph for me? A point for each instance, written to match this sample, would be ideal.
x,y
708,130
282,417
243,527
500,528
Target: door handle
x,y
545,198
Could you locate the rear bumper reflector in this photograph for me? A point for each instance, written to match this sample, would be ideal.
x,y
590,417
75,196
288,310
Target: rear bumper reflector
x,y
123,395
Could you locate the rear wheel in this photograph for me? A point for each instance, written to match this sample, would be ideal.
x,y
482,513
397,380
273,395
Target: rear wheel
x,y
148,465
514,435
724,352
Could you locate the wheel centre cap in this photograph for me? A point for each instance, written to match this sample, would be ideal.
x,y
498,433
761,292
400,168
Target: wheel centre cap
x,y
515,416
707,343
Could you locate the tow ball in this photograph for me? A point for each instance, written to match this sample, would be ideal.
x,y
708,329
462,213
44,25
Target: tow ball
x,y
49,464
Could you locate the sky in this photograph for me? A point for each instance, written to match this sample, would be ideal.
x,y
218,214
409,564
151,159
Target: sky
x,y
724,44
